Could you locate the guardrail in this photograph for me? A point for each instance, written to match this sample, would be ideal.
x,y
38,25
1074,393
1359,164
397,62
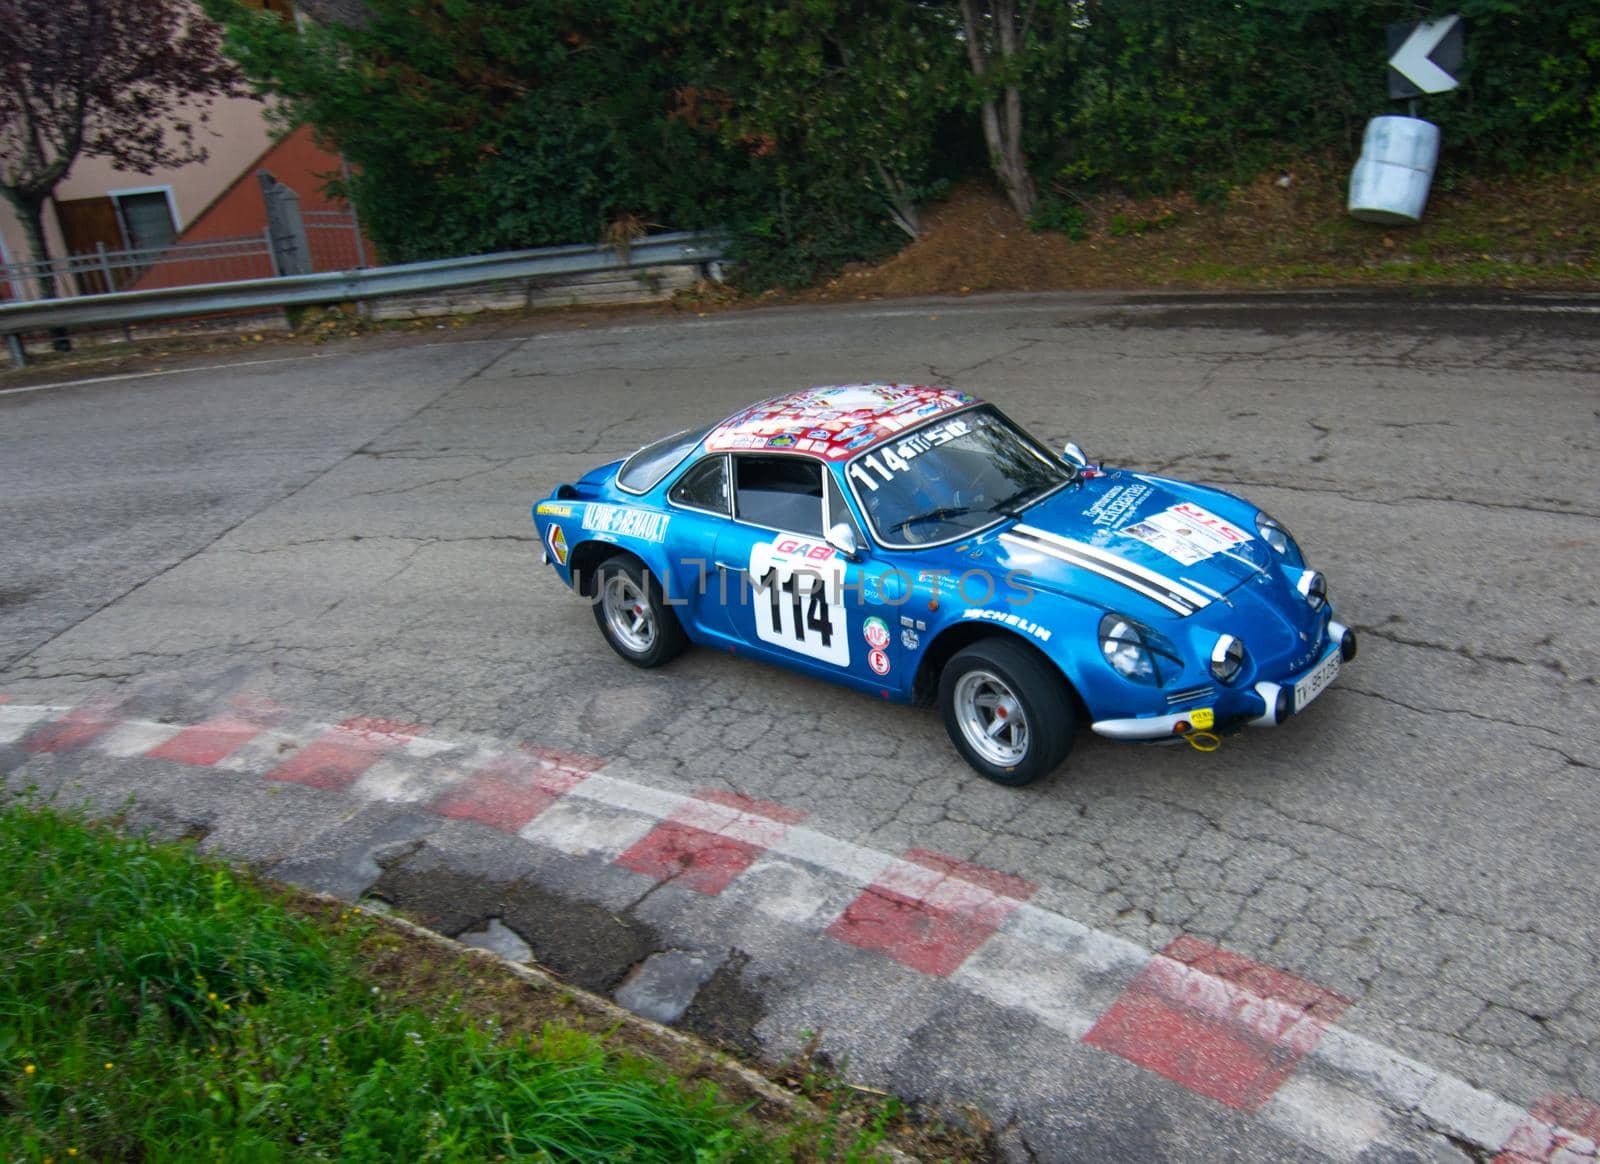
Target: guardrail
x,y
19,319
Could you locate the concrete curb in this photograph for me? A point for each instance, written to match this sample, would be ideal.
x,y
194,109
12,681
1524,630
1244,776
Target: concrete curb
x,y
1336,1091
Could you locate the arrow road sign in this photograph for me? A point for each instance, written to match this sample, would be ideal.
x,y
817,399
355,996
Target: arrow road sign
x,y
1424,57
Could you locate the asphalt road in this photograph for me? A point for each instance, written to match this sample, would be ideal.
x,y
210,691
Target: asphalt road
x,y
346,532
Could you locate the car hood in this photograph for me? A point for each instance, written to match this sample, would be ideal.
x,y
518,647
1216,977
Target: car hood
x,y
1121,534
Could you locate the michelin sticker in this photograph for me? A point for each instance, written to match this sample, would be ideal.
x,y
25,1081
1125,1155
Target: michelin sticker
x,y
1011,620
628,522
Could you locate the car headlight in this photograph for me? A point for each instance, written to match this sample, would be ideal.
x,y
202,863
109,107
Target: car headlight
x,y
1313,588
1227,659
1126,650
1276,534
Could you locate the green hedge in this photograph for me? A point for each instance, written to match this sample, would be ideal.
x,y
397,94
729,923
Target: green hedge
x,y
483,125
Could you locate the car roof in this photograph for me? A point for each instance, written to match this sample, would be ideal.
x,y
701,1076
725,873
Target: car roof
x,y
834,422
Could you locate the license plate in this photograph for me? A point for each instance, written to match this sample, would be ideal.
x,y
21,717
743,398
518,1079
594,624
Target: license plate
x,y
1317,681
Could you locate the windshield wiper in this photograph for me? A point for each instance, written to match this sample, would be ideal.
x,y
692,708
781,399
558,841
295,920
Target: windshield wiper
x,y
1013,506
944,511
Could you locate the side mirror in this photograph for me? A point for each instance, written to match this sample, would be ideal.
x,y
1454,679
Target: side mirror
x,y
842,537
1075,454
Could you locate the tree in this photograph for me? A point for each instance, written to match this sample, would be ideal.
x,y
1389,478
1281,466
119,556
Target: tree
x,y
995,41
116,79
855,87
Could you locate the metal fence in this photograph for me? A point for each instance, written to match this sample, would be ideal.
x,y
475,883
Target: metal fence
x,y
334,238
103,270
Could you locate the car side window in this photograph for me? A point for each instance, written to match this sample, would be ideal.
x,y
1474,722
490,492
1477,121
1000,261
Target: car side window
x,y
705,486
782,492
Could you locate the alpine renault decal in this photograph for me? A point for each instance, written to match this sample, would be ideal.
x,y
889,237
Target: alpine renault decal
x,y
626,521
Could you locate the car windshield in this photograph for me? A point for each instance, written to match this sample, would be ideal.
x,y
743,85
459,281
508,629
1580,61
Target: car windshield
x,y
951,477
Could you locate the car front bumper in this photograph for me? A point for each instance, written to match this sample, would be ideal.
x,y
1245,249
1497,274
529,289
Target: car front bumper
x,y
1266,705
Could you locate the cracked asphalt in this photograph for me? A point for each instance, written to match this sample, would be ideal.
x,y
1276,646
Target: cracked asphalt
x,y
349,534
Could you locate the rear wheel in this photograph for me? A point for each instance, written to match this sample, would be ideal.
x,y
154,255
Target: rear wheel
x,y
631,614
1008,711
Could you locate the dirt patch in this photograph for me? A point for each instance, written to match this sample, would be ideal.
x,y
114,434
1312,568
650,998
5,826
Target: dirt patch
x,y
1284,230
414,967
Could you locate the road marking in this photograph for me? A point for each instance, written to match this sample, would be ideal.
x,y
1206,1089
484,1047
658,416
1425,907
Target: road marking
x,y
708,841
121,376
1247,1035
924,913
508,791
339,757
1219,1024
74,730
207,743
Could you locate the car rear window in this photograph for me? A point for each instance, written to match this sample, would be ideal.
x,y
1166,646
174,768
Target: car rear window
x,y
643,471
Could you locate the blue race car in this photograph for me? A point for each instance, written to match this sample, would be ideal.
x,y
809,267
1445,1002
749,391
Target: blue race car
x,y
915,544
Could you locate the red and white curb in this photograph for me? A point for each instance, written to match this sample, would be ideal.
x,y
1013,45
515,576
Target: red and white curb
x,y
1249,1036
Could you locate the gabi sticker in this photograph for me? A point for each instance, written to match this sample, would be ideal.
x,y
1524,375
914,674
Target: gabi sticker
x,y
799,548
633,523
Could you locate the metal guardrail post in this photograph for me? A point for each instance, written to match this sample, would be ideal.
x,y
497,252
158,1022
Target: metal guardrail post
x,y
105,266
355,218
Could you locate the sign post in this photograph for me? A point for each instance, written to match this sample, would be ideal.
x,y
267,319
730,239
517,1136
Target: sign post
x,y
1398,154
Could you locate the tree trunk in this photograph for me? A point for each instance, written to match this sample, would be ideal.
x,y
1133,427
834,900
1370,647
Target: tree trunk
x,y
1002,119
31,212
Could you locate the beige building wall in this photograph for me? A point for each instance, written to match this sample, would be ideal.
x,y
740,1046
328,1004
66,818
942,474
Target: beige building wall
x,y
236,135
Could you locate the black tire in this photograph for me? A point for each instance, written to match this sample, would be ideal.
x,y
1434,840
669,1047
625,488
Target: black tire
x,y
656,635
1033,688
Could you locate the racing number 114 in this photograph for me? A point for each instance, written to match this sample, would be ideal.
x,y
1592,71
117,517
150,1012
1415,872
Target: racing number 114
x,y
808,606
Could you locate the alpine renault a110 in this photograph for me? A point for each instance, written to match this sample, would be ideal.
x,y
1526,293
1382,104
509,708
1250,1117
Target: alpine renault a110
x,y
914,543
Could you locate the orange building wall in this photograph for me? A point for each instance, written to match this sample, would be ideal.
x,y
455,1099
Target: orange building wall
x,y
296,161
302,165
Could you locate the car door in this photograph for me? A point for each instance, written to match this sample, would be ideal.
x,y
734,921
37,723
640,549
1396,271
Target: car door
x,y
788,595
702,503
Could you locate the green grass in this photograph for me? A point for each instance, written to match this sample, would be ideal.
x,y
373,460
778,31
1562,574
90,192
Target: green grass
x,y
156,1005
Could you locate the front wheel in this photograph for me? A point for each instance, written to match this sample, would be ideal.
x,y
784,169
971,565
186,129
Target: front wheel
x,y
629,609
1008,711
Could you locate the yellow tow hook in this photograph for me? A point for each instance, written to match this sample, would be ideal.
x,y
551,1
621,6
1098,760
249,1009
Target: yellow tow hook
x,y
1193,730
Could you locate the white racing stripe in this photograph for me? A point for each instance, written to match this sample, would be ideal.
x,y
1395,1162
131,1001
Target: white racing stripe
x,y
1133,584
1192,597
1172,595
